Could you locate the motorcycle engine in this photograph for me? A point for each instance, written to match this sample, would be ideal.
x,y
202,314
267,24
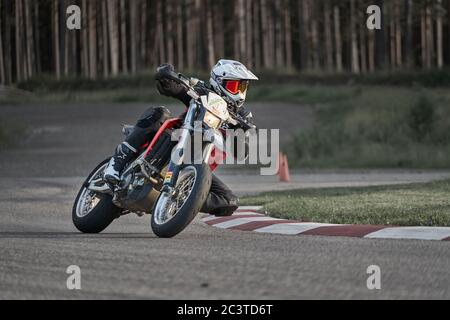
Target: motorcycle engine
x,y
137,194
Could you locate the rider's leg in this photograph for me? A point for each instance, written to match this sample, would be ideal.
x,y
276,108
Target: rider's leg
x,y
220,201
146,127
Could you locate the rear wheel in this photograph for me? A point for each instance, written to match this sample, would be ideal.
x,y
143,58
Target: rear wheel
x,y
92,212
172,214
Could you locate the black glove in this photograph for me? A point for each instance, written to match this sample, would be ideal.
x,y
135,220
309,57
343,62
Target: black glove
x,y
247,117
167,87
245,114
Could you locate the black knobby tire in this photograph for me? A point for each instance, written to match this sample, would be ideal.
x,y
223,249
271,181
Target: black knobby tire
x,y
191,206
101,215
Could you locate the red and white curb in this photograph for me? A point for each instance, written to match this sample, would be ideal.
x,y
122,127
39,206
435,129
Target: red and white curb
x,y
250,219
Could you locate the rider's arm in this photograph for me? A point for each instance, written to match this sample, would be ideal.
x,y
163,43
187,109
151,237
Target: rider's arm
x,y
169,87
175,90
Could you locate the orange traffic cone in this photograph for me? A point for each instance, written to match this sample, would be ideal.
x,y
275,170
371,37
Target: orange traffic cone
x,y
283,168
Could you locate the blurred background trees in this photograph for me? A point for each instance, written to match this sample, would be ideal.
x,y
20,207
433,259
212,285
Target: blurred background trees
x,y
128,36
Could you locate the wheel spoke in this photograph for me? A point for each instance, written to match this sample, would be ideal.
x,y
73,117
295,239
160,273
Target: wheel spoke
x,y
169,207
89,199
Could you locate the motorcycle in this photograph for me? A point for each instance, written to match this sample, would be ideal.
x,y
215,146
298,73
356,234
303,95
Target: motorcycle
x,y
160,181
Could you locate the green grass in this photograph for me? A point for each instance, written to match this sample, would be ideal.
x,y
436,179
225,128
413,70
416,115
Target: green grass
x,y
374,127
426,204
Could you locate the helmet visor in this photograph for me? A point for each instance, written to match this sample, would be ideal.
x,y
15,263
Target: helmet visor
x,y
236,86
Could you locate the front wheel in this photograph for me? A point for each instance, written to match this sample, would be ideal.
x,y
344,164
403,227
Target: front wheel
x,y
172,214
92,212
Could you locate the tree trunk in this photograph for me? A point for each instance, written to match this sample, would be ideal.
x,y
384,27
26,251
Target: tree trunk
x,y
448,38
210,34
85,39
398,35
265,35
160,32
17,41
278,36
66,49
133,35
144,34
271,35
381,37
113,36
190,34
371,50
92,39
56,45
354,39
241,47
23,40
315,36
74,51
328,37
362,42
257,36
2,60
423,37
439,40
123,34
105,38
304,16
288,35
337,38
7,42
249,33
180,51
30,42
409,55
392,42
429,36
218,27
37,46
169,34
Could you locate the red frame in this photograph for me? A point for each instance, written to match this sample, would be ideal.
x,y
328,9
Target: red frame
x,y
168,124
172,123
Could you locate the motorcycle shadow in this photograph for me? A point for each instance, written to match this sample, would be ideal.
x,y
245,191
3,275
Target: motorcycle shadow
x,y
74,235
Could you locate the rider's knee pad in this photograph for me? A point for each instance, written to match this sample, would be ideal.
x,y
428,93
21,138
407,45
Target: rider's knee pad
x,y
152,119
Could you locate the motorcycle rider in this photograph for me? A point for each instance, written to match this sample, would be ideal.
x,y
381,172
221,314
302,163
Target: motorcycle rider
x,y
230,80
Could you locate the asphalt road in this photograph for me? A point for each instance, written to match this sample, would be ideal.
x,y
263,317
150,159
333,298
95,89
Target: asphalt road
x,y
38,242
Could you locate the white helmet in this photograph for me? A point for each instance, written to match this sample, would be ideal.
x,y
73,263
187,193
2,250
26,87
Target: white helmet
x,y
230,79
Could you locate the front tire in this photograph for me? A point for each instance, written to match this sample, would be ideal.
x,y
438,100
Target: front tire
x,y
187,210
103,211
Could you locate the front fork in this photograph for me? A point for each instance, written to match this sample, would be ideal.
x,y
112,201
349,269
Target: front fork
x,y
180,153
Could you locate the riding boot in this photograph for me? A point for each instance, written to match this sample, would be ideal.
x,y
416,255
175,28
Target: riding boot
x,y
221,201
123,155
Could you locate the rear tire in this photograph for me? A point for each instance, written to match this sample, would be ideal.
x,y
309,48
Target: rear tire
x,y
191,206
104,212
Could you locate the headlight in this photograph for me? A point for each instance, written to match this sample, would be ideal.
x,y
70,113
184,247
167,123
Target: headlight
x,y
211,120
